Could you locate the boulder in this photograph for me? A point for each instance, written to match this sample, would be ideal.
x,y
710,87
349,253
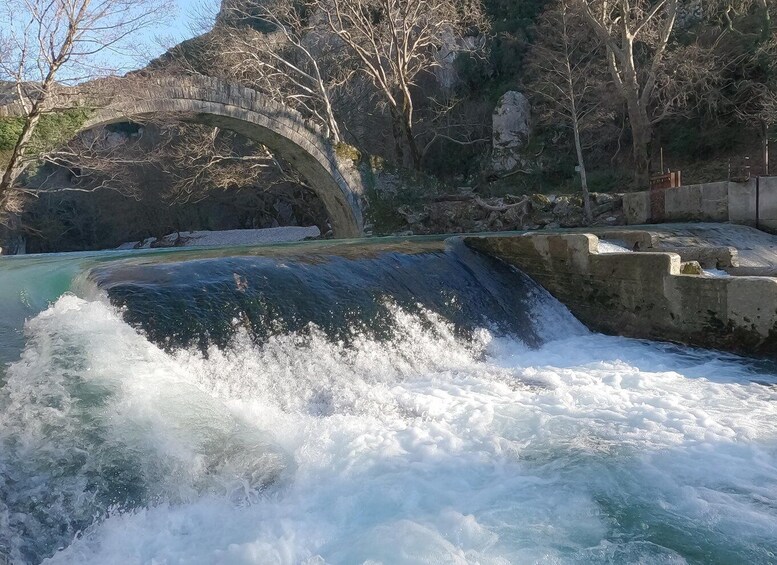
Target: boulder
x,y
691,268
604,198
568,211
412,217
516,216
512,122
541,202
445,57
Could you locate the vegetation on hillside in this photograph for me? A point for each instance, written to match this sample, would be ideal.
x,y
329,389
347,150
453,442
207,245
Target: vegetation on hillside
x,y
655,84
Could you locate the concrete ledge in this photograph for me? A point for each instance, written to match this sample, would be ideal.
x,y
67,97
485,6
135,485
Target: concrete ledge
x,y
644,295
767,205
741,202
636,240
707,257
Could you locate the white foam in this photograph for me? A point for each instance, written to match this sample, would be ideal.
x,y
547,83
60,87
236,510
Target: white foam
x,y
613,246
422,449
227,238
716,273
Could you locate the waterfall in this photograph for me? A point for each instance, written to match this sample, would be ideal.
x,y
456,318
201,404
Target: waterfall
x,y
323,403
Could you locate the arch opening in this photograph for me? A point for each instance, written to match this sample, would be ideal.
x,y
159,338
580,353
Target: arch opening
x,y
161,180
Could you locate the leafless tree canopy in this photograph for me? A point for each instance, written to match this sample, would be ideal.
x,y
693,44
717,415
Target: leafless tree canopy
x,y
569,83
322,56
395,43
50,42
194,159
279,47
636,35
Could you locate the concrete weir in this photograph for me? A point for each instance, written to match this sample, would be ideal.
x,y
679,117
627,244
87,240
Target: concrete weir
x,y
644,295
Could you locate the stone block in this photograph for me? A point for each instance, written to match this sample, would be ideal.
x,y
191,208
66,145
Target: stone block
x,y
714,202
635,240
767,203
636,207
683,203
708,257
741,202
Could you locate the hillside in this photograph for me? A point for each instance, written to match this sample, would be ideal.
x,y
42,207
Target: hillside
x,y
482,122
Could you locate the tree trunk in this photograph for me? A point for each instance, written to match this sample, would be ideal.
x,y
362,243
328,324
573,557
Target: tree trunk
x,y
766,21
415,153
12,242
589,217
641,134
404,140
15,166
334,127
642,164
408,109
396,132
765,127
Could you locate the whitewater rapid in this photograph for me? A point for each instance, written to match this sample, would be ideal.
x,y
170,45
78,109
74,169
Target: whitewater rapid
x,y
428,447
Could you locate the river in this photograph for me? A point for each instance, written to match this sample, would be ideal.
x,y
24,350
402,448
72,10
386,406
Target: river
x,y
393,402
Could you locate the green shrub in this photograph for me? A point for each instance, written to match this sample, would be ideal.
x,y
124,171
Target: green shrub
x,y
56,129
52,130
10,130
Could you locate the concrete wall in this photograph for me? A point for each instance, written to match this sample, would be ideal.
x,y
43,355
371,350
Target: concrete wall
x,y
749,203
767,203
644,295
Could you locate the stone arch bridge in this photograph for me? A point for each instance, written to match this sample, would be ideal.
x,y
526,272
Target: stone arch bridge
x,y
214,102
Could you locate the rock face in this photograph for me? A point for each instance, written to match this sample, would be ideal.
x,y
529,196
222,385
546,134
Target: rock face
x,y
448,52
445,71
512,123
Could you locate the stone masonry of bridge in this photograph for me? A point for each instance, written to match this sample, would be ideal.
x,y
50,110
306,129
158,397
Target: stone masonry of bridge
x,y
213,102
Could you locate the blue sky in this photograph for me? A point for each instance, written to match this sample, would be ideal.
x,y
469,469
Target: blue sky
x,y
187,18
184,17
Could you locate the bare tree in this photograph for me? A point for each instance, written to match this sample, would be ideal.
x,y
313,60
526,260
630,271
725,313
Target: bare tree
x,y
395,43
756,100
636,34
195,160
446,123
279,47
568,78
199,159
751,52
51,42
94,160
733,10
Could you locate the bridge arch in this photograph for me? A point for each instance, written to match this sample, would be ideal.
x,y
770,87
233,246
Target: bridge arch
x,y
214,102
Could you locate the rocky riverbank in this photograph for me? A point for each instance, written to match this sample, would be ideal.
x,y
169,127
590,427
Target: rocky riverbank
x,y
463,213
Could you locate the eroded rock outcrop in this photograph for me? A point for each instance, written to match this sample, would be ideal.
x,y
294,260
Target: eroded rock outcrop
x,y
390,212
512,125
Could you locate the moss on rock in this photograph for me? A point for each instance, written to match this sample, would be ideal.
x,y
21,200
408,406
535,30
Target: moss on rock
x,y
347,152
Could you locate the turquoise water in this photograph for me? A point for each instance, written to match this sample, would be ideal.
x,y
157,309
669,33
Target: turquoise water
x,y
394,403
